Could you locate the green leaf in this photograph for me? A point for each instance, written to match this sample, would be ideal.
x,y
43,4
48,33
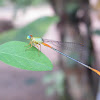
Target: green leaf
x,y
37,28
14,53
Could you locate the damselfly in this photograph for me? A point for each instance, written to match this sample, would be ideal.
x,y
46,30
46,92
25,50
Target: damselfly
x,y
38,41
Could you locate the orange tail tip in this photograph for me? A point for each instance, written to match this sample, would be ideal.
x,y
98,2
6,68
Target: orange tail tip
x,y
96,71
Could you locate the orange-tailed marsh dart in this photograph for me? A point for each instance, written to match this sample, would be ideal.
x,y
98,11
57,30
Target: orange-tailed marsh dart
x,y
38,41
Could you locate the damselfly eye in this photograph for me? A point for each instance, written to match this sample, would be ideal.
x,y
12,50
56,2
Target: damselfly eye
x,y
31,35
28,37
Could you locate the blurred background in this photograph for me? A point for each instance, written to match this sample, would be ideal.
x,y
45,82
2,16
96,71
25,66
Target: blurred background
x,y
62,20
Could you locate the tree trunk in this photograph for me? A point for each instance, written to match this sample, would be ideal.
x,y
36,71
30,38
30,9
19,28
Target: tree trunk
x,y
77,81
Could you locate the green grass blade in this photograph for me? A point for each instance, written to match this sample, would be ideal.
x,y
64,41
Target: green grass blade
x,y
14,53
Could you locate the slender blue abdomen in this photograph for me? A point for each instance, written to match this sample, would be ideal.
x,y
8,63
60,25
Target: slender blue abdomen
x,y
71,58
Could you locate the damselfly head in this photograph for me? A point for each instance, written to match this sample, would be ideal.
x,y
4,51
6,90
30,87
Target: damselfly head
x,y
29,37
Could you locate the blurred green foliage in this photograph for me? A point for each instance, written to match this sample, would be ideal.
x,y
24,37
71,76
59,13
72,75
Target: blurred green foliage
x,y
97,32
37,28
24,3
1,2
58,79
72,7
